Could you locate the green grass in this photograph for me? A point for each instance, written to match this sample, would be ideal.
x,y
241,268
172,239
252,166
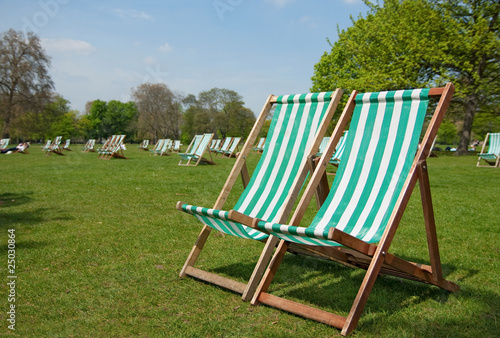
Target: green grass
x,y
99,246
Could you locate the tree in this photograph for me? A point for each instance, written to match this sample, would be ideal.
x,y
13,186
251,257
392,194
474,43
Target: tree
x,y
159,111
25,83
419,43
109,118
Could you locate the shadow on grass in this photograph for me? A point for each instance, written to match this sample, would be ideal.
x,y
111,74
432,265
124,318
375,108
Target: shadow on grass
x,y
15,199
333,287
32,217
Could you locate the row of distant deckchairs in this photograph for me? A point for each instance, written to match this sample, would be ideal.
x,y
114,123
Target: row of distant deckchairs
x,y
163,147
228,148
113,147
361,211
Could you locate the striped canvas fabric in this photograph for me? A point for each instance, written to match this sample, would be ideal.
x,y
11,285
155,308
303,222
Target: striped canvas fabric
x,y
191,148
339,150
379,152
291,134
493,149
202,146
323,145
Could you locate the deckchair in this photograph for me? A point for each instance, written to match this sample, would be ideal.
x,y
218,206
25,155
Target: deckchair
x,y
110,141
89,146
374,181
233,149
144,145
215,145
197,157
225,146
297,127
339,150
115,149
322,146
195,142
162,147
46,147
176,146
260,146
66,145
4,143
55,147
492,157
157,146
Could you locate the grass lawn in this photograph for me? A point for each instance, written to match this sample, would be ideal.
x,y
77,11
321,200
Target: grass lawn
x,y
99,246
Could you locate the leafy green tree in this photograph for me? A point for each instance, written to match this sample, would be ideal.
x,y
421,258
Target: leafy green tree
x,y
419,43
447,133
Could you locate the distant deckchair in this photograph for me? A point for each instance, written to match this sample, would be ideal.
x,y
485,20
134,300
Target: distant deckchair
x,y
197,156
66,145
157,146
260,145
162,147
114,149
233,149
190,149
339,150
4,143
225,146
177,146
322,146
376,176
492,157
297,127
89,146
46,147
55,147
144,145
215,145
106,146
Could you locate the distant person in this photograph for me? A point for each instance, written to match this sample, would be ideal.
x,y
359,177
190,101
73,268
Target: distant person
x,y
20,148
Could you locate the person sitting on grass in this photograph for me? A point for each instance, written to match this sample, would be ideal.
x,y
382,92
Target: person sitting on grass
x,y
20,148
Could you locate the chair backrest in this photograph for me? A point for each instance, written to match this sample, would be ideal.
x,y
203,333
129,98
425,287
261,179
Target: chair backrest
x,y
339,149
494,145
291,134
177,145
226,144
234,144
193,146
379,153
66,145
203,144
323,144
260,145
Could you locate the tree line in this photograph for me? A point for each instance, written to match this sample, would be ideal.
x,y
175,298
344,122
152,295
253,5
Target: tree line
x,y
30,109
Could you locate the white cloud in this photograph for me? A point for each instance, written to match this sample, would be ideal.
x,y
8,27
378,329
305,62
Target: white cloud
x,y
67,46
307,20
280,3
166,48
132,13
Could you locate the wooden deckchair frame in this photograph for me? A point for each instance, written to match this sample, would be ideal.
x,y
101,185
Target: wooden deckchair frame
x,y
374,258
55,147
233,149
247,290
224,146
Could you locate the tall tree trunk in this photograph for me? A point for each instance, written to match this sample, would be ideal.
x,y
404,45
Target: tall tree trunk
x,y
465,136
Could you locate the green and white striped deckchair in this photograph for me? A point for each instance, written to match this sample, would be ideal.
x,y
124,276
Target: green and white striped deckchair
x,y
215,145
492,157
195,142
66,145
115,149
4,143
159,144
233,149
107,145
260,146
298,125
177,146
379,169
339,150
322,146
55,147
46,147
144,145
197,157
225,146
89,146
163,148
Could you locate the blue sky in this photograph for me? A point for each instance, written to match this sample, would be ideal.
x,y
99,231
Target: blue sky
x,y
104,49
